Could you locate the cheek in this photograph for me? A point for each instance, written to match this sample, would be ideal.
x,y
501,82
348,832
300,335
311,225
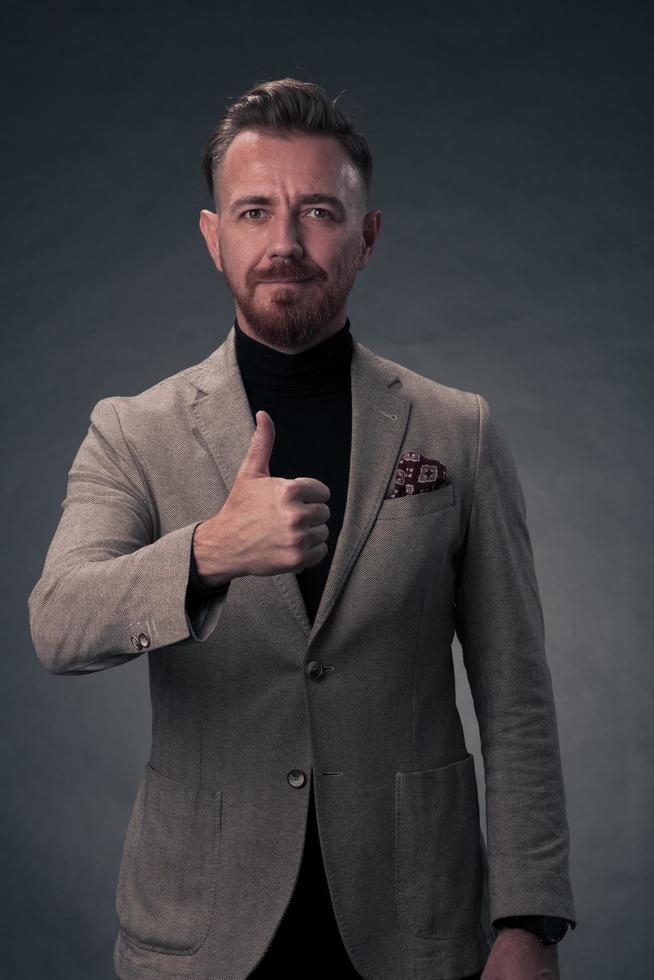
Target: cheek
x,y
226,248
235,258
349,264
342,261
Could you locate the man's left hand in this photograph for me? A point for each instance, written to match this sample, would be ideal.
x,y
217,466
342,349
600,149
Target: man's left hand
x,y
517,954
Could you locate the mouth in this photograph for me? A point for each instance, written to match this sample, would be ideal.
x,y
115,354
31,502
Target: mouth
x,y
284,281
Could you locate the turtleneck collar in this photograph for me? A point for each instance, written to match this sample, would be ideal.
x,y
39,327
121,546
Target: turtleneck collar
x,y
322,368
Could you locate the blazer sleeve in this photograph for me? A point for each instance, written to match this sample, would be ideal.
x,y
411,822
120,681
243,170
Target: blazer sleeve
x,y
499,623
105,578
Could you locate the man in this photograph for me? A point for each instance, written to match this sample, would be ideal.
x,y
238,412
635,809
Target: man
x,y
294,529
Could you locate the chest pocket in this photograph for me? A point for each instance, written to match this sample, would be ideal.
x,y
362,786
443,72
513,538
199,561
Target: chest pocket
x,y
416,504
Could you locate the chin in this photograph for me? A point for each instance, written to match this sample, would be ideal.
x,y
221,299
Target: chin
x,y
290,333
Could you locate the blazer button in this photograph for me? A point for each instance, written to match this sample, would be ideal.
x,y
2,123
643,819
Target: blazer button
x,y
296,778
144,640
314,668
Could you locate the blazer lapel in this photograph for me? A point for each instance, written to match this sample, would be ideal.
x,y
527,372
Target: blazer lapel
x,y
379,420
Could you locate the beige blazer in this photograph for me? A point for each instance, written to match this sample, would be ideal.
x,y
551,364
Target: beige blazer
x,y
241,722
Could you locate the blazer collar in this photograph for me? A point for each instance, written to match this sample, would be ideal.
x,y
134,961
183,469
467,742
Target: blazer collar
x,y
379,419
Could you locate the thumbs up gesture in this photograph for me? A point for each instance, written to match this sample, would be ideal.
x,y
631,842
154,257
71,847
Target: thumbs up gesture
x,y
267,525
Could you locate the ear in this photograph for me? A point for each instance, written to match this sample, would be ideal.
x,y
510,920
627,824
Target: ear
x,y
209,225
372,222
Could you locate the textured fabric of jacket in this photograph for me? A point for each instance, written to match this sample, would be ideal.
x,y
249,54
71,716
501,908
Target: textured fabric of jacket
x,y
214,841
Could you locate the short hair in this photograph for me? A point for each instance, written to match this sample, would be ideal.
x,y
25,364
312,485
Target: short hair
x,y
281,108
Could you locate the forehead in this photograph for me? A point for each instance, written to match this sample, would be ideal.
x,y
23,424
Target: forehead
x,y
256,162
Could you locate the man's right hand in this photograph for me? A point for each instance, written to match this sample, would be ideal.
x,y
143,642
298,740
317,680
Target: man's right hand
x,y
267,525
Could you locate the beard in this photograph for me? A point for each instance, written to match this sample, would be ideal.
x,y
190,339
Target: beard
x,y
292,317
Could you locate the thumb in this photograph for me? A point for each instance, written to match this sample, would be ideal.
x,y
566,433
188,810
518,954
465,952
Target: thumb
x,y
257,459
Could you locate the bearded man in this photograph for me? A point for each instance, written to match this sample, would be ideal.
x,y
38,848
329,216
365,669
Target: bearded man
x,y
293,530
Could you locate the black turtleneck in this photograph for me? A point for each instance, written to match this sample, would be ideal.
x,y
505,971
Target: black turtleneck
x,y
308,396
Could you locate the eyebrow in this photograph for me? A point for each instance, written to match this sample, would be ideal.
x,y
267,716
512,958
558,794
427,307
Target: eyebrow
x,y
316,198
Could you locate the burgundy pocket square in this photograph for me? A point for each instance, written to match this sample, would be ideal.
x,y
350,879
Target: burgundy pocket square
x,y
418,474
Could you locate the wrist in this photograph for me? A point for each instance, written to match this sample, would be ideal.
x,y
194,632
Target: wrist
x,y
207,574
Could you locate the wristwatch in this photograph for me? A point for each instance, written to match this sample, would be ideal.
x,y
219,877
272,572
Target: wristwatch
x,y
548,928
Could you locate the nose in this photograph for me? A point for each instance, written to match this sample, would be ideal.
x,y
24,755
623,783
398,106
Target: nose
x,y
284,240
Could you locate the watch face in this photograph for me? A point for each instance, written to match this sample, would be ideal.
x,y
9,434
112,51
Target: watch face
x,y
553,929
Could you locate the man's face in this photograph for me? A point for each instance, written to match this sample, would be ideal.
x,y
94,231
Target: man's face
x,y
289,209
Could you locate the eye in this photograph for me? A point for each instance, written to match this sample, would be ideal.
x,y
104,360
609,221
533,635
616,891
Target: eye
x,y
252,210
324,211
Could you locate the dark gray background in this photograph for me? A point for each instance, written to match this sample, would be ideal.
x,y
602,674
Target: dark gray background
x,y
513,165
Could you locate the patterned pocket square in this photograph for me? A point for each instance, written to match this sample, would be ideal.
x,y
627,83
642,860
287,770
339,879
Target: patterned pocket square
x,y
417,474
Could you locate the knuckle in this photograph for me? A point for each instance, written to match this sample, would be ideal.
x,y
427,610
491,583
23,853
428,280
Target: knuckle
x,y
295,540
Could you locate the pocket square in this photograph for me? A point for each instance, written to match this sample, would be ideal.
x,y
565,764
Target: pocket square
x,y
418,474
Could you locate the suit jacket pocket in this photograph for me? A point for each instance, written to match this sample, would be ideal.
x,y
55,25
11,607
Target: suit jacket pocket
x,y
167,878
416,504
438,859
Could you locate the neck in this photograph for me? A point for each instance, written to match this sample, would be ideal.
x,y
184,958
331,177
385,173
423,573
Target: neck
x,y
319,368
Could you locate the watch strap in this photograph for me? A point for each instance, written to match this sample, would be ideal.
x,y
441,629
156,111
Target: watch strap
x,y
547,928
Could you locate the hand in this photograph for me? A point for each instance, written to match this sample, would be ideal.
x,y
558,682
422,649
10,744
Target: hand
x,y
268,524
518,955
